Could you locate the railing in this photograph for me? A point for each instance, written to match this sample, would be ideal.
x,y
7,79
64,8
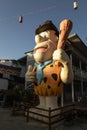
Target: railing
x,y
51,116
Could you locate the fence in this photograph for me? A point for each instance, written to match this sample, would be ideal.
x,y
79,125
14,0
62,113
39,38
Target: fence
x,y
51,116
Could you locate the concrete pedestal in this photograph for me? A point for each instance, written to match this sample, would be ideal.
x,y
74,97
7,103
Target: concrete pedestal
x,y
46,109
48,102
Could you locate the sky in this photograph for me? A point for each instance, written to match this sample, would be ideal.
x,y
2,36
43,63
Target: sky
x,y
18,38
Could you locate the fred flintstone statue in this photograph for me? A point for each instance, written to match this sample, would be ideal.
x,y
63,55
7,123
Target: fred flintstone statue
x,y
52,65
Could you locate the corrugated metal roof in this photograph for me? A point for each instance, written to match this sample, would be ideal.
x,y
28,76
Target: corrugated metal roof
x,y
78,44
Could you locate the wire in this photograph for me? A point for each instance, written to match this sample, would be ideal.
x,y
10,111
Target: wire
x,y
28,13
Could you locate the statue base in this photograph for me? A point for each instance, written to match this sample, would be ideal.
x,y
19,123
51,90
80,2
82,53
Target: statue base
x,y
46,110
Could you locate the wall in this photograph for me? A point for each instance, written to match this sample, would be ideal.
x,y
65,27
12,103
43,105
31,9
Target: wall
x,y
4,84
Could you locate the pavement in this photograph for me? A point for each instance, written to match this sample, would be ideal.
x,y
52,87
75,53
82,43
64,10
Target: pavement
x,y
9,122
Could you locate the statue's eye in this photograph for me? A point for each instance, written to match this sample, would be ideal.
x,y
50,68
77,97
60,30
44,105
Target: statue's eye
x,y
44,34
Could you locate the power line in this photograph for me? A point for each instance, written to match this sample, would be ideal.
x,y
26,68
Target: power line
x,y
28,13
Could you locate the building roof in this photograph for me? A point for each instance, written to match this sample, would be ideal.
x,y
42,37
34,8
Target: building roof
x,y
10,70
23,60
78,46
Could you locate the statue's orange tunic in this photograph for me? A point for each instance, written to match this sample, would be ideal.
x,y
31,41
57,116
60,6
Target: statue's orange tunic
x,y
51,83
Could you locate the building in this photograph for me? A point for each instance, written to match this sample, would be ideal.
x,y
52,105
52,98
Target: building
x,y
77,52
12,73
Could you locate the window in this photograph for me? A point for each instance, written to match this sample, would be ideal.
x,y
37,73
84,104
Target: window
x,y
1,75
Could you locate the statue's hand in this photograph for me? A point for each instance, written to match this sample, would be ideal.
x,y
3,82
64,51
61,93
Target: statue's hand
x,y
30,75
61,56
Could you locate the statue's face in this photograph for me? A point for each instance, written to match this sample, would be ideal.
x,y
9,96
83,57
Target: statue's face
x,y
46,43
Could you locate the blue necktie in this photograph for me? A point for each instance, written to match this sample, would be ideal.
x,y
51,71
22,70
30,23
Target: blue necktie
x,y
40,69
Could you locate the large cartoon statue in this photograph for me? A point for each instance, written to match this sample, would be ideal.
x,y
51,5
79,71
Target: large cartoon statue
x,y
52,65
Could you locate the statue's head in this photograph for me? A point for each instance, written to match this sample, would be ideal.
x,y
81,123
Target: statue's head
x,y
46,39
